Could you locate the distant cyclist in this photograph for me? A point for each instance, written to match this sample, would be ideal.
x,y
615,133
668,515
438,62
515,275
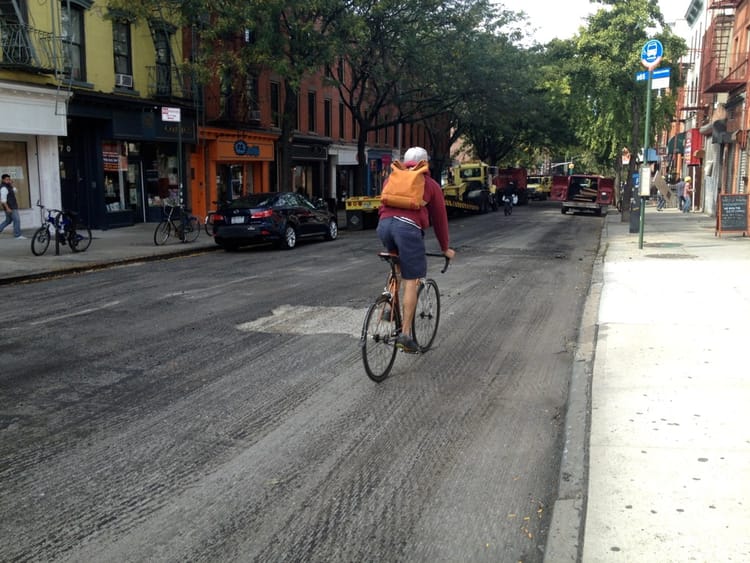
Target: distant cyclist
x,y
510,196
402,232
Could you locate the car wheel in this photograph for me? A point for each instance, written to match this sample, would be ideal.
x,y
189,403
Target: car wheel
x,y
289,240
333,231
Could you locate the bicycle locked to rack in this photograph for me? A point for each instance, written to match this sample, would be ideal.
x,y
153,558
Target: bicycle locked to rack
x,y
64,226
176,223
383,320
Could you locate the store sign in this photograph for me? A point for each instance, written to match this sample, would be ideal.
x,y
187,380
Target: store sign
x,y
170,114
241,148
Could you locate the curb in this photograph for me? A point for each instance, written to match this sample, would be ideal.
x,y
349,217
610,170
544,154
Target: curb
x,y
102,265
567,526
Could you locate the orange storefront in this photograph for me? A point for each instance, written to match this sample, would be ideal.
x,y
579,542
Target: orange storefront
x,y
227,164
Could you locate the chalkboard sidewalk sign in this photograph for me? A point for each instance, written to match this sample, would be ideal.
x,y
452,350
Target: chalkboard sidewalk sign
x,y
732,214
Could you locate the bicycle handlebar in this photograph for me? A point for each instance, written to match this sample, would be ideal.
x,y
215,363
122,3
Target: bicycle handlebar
x,y
441,255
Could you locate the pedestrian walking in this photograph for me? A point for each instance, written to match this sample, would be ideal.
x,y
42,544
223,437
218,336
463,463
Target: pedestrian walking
x,y
9,203
688,195
680,193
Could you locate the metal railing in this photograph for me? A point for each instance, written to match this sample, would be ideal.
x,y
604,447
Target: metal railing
x,y
26,48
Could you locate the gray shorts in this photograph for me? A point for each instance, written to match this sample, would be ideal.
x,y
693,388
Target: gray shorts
x,y
407,240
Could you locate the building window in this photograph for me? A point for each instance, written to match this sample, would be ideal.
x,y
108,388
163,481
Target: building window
x,y
327,117
275,101
13,161
163,62
122,50
74,61
311,103
341,120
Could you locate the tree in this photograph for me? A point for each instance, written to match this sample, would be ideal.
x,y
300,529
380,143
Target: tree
x,y
608,102
398,56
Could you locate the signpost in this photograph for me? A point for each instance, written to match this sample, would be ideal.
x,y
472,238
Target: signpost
x,y
651,55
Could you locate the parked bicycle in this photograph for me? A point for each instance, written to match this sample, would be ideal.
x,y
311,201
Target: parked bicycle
x,y
176,223
208,223
64,226
383,323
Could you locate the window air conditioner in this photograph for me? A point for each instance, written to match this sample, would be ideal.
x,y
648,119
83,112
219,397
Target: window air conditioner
x,y
254,115
123,80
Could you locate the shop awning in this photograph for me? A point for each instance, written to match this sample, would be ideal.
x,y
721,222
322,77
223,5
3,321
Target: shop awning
x,y
676,144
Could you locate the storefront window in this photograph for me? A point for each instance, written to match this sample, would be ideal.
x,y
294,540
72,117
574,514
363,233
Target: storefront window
x,y
13,161
115,157
161,175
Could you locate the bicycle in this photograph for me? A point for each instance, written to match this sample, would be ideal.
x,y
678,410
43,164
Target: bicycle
x,y
208,223
183,226
383,323
508,202
67,229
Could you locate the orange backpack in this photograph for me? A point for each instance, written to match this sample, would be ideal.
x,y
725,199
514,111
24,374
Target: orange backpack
x,y
405,186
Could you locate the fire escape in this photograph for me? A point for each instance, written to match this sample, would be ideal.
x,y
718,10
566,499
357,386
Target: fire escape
x,y
24,47
722,69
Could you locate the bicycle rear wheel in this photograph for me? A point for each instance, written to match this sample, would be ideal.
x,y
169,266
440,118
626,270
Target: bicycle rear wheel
x,y
378,341
40,241
427,315
192,229
162,233
79,238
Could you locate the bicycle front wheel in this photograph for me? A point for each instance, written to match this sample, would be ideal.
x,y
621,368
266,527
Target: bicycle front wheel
x,y
192,229
162,233
378,341
40,241
79,238
427,315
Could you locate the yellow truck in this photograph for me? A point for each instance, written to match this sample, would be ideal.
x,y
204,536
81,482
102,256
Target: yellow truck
x,y
538,187
469,188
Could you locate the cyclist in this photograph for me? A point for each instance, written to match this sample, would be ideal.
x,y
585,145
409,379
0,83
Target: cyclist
x,y
402,232
508,194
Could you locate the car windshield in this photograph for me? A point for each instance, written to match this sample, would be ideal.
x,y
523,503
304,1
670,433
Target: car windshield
x,y
253,201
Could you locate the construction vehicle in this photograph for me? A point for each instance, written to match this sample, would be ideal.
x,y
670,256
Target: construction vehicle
x,y
518,175
471,187
583,192
538,187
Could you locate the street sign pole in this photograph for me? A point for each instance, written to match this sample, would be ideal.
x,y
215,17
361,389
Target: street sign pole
x,y
645,156
651,55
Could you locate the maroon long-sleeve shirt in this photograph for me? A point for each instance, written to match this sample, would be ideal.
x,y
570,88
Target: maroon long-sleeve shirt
x,y
433,213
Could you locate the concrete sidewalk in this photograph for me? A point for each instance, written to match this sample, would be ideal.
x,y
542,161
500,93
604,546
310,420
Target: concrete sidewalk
x,y
665,472
115,246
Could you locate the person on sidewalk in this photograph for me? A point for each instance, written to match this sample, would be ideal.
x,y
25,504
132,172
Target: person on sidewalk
x,y
680,186
10,206
688,195
402,232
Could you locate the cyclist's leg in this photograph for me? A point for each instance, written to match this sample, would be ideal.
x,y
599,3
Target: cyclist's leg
x,y
410,242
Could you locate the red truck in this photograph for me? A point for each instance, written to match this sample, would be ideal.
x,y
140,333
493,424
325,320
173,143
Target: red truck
x,y
583,192
517,175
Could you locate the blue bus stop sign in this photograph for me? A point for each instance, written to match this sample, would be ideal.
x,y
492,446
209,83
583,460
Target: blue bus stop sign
x,y
652,53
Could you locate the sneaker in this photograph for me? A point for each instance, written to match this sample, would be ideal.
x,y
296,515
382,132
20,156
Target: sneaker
x,y
20,237
407,344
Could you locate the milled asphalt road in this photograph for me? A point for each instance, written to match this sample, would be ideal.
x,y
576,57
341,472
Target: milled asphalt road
x,y
657,449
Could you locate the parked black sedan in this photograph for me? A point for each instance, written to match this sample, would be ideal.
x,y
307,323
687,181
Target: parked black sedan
x,y
279,217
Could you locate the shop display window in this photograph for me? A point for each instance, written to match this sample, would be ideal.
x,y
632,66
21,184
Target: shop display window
x,y
13,161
